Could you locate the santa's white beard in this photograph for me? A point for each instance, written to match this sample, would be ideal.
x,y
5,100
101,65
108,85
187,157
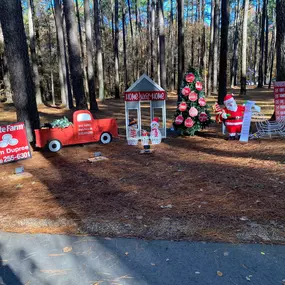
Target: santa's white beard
x,y
233,107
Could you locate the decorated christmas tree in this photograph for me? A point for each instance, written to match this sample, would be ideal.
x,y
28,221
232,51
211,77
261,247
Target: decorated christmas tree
x,y
192,113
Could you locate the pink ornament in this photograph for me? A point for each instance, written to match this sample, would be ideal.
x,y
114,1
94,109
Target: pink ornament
x,y
193,112
193,96
189,123
203,117
179,120
199,86
202,102
182,106
186,91
190,77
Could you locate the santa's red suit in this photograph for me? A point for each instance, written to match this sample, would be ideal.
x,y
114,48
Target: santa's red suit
x,y
234,120
233,115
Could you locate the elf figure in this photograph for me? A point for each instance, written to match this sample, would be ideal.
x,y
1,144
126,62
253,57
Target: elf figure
x,y
155,135
133,132
232,116
144,138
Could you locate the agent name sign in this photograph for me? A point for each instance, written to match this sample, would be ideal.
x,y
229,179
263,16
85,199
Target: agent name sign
x,y
13,143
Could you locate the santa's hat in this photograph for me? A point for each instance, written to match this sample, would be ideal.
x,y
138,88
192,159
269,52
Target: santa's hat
x,y
228,98
155,121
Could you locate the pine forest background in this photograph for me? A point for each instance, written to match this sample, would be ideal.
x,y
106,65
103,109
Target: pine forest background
x,y
119,40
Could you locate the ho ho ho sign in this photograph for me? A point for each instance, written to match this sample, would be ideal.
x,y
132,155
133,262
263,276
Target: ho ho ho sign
x,y
13,143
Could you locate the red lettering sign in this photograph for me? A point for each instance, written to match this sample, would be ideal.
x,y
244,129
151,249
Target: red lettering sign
x,y
13,143
279,99
145,96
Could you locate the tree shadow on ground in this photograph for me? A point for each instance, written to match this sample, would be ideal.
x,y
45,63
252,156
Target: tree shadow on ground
x,y
123,196
7,276
23,262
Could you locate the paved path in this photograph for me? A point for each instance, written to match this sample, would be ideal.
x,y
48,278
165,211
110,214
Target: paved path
x,y
60,259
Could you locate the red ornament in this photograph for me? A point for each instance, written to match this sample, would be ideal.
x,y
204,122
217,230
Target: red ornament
x,y
203,117
182,106
179,120
193,112
190,77
202,102
186,91
189,123
199,86
193,96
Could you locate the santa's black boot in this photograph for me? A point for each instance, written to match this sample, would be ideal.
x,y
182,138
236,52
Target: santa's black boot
x,y
231,138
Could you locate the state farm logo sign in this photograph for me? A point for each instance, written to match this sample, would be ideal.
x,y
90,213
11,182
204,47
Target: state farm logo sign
x,y
13,143
145,96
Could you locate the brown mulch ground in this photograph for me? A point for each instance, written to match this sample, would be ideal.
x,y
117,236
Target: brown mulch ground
x,y
200,187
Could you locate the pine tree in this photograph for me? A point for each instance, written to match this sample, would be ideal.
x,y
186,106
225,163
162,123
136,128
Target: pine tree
x,y
192,114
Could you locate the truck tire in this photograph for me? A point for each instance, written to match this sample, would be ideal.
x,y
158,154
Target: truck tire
x,y
105,138
54,145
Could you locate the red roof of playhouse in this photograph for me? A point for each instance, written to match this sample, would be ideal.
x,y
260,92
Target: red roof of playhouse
x,y
144,89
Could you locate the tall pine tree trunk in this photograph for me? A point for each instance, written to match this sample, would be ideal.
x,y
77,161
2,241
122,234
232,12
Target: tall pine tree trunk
x,y
172,51
6,79
4,72
211,50
260,69
234,61
51,84
152,39
162,45
193,38
67,68
158,45
244,46
89,54
36,76
62,59
99,56
272,56
203,42
132,36
216,43
223,51
124,45
257,11
74,55
181,58
266,45
280,40
116,51
18,63
81,48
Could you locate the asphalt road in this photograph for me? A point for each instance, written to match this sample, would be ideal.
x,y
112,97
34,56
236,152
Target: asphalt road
x,y
60,259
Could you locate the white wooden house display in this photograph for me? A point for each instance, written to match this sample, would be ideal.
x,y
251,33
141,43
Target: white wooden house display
x,y
145,89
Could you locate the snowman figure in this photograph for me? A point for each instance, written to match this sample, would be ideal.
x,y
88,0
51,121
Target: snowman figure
x,y
155,135
144,138
132,132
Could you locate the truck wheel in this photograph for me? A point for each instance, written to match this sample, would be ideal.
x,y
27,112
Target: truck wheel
x,y
54,145
105,138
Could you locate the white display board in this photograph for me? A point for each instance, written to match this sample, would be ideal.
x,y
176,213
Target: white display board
x,y
247,120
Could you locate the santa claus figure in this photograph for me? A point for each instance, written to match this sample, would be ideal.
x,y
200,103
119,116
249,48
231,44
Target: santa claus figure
x,y
232,116
133,132
155,135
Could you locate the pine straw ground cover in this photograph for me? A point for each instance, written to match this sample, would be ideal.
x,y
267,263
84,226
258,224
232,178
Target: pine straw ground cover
x,y
195,188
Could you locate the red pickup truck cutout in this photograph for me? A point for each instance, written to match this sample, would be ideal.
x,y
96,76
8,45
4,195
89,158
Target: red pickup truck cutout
x,y
85,129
